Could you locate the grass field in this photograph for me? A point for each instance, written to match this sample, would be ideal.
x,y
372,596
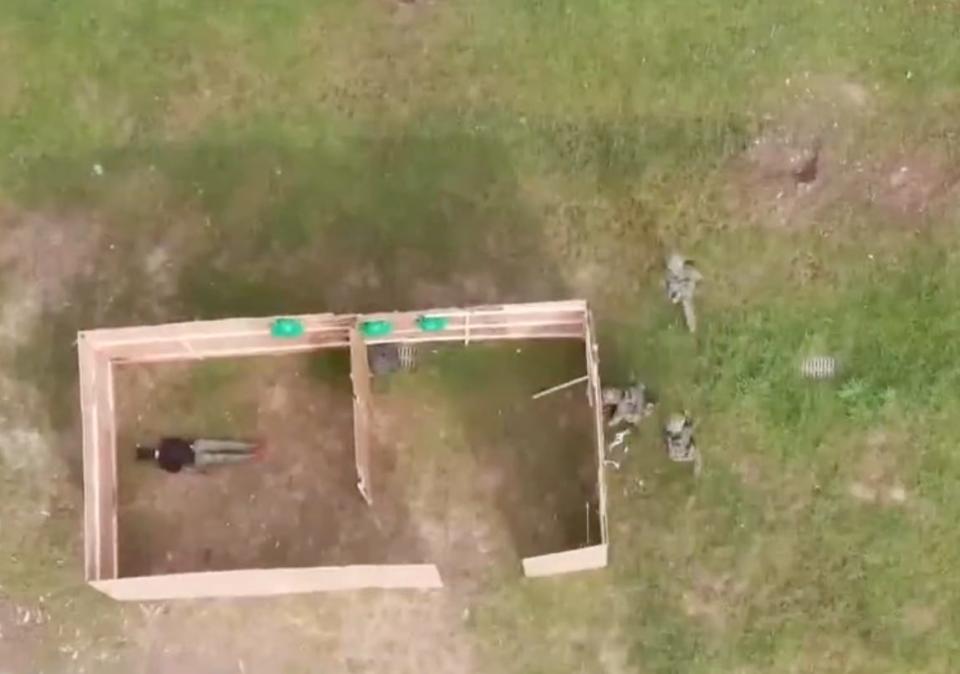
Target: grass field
x,y
167,159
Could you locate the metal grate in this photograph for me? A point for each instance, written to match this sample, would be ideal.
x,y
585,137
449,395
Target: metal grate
x,y
408,355
819,367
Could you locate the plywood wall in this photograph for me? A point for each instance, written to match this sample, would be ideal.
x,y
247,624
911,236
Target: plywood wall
x,y
593,371
99,463
267,582
99,350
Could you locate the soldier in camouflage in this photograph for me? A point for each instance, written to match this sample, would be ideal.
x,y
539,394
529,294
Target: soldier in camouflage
x,y
678,434
681,282
630,405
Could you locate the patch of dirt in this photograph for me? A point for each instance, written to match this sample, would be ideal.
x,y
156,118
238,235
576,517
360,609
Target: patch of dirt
x,y
396,633
348,633
41,257
460,526
613,656
920,618
405,12
805,160
914,183
21,635
491,475
878,474
783,180
783,174
713,598
299,506
41,254
47,249
159,266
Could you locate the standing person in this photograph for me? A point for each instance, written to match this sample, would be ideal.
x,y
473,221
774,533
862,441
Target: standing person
x,y
173,453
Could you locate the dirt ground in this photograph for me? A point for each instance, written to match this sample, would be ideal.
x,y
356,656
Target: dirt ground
x,y
468,471
491,475
299,506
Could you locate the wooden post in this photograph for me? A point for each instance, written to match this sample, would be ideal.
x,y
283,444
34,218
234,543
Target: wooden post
x,y
360,378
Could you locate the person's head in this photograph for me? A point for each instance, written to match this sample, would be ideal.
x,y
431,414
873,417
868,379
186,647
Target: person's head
x,y
677,264
145,453
611,396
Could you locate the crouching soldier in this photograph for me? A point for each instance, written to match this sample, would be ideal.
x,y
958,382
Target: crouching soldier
x,y
681,446
629,405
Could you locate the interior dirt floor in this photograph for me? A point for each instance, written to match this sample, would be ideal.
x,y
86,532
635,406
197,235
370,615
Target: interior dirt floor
x,y
468,471
491,475
298,506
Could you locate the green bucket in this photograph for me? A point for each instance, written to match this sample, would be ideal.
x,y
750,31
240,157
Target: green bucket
x,y
287,328
433,323
376,328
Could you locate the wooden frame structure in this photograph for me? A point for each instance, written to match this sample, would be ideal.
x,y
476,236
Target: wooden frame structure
x,y
101,351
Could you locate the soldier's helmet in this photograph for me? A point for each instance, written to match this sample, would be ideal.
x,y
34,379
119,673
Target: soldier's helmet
x,y
675,425
676,264
611,396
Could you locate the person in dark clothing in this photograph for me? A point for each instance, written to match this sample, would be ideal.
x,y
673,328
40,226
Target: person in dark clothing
x,y
173,454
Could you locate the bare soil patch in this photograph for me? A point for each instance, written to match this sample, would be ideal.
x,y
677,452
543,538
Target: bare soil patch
x,y
878,476
23,629
915,182
807,158
41,253
786,176
788,179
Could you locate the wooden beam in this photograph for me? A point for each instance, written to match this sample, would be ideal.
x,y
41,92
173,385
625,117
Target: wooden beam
x,y
99,462
360,379
106,469
596,402
581,559
268,582
230,327
145,354
559,387
91,458
484,335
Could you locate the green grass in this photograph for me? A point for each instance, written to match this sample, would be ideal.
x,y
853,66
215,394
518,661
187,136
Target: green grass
x,y
302,156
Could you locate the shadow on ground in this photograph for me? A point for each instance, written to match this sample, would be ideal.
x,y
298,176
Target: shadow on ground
x,y
252,227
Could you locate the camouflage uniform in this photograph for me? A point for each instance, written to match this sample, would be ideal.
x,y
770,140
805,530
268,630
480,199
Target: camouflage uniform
x,y
681,284
629,405
679,436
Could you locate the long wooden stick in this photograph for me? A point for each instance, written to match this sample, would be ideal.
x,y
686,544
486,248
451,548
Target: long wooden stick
x,y
560,387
